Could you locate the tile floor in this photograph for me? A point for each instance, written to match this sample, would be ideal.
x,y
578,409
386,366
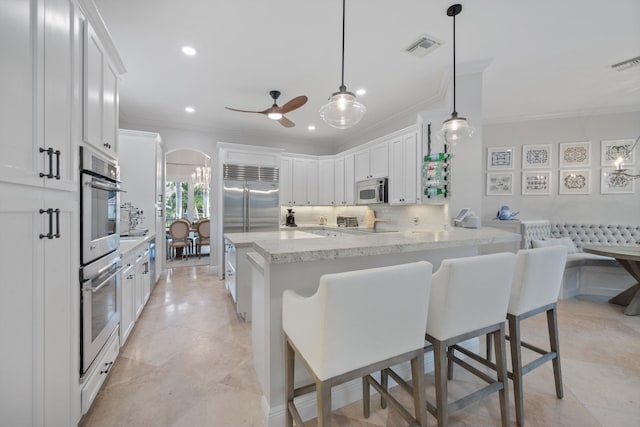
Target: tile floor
x,y
188,363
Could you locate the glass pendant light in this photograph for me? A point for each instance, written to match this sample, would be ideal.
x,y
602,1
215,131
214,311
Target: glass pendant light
x,y
456,128
343,109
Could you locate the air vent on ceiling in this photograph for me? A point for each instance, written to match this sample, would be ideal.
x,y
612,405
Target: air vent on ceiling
x,y
625,65
423,45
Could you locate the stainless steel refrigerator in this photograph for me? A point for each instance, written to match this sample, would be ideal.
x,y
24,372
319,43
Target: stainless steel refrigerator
x,y
251,199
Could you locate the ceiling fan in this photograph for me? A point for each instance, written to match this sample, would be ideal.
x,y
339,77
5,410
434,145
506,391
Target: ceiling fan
x,y
277,113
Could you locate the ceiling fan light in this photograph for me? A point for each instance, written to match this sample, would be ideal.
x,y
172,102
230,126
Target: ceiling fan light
x,y
342,111
275,116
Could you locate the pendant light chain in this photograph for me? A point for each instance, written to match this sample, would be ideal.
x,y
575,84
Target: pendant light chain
x,y
342,87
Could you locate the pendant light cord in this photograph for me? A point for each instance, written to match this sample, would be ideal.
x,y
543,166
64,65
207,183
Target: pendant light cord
x,y
454,64
342,87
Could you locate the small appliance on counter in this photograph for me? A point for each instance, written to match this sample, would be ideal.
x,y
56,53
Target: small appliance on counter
x,y
290,220
347,221
466,218
130,217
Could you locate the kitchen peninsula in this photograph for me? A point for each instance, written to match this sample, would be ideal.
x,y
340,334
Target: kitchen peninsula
x,y
297,264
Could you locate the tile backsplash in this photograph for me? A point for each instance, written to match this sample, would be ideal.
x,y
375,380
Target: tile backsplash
x,y
401,218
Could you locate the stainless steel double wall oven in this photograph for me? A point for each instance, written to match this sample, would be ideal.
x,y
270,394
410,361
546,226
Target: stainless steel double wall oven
x,y
100,257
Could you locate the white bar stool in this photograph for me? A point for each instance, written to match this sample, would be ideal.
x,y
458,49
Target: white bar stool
x,y
357,323
536,285
469,298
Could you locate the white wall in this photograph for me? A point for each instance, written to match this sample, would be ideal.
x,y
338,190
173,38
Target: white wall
x,y
592,208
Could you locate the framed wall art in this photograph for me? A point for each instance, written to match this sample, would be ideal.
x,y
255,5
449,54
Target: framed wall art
x,y
500,158
612,150
575,154
499,183
616,184
536,156
536,183
574,181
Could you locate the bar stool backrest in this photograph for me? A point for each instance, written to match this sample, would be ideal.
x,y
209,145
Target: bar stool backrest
x,y
358,318
469,294
537,278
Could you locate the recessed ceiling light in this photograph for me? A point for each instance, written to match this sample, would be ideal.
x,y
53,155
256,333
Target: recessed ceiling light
x,y
311,127
361,92
189,51
189,109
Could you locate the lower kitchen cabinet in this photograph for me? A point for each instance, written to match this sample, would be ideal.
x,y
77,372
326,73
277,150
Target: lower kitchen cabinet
x,y
96,377
126,298
38,304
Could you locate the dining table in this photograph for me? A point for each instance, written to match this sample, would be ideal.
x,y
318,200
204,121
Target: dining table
x,y
629,258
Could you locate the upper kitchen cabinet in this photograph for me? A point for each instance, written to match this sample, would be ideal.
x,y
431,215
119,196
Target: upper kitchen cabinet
x,y
141,160
403,169
326,178
304,182
344,180
102,66
372,162
39,130
285,181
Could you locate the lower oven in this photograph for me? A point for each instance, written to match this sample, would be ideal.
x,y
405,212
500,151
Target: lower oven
x,y
99,306
99,205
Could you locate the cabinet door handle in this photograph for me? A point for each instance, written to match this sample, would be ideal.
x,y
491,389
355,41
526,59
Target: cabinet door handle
x,y
57,211
49,152
49,212
57,153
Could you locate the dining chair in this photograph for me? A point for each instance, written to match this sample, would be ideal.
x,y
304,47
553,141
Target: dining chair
x,y
357,322
204,237
179,231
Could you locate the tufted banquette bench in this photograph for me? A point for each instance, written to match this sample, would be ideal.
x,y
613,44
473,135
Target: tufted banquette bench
x,y
585,273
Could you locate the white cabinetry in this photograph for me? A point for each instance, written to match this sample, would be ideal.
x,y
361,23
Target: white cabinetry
x,y
285,181
403,169
326,182
100,95
141,161
304,182
126,296
372,162
142,280
344,180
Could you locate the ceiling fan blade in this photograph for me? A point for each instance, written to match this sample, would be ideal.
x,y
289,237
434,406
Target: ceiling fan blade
x,y
293,104
286,122
249,111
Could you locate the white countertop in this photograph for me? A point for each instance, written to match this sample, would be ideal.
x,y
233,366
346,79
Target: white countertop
x,y
277,251
129,243
241,240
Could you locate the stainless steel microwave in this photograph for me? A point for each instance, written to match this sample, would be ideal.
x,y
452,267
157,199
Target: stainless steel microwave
x,y
372,191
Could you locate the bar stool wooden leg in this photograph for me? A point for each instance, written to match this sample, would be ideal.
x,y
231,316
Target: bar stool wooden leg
x,y
489,355
450,363
419,398
384,380
501,370
554,342
366,397
516,366
440,360
289,360
323,389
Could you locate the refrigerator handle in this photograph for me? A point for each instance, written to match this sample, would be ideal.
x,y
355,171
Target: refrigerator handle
x,y
248,213
245,210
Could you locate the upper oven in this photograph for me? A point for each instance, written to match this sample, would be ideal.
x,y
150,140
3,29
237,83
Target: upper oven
x,y
99,205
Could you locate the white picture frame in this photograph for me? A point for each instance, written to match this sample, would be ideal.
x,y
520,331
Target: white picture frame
x,y
536,183
536,156
574,181
499,183
500,158
574,154
610,184
611,150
